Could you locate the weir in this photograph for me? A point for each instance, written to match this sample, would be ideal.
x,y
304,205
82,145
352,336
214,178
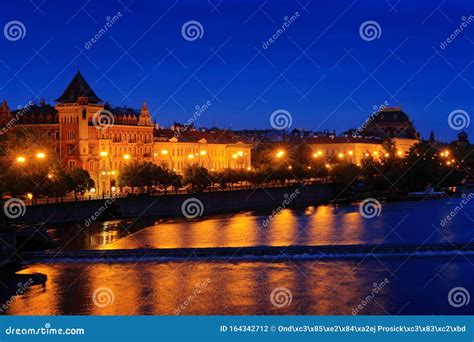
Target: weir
x,y
256,253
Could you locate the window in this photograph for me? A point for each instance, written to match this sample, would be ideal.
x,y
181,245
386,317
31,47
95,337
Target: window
x,y
70,149
72,164
71,135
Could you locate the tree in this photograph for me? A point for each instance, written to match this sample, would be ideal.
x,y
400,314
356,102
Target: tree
x,y
78,181
197,176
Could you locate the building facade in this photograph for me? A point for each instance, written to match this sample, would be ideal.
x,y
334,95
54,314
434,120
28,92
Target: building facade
x,y
100,138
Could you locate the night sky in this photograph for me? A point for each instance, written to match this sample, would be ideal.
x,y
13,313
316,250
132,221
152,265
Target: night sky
x,y
319,69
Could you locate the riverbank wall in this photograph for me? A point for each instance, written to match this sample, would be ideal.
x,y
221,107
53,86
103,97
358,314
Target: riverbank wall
x,y
205,203
7,250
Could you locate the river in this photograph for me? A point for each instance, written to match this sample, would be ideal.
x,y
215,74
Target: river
x,y
372,285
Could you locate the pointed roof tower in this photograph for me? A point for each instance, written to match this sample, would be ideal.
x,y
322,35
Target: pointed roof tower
x,y
144,118
76,89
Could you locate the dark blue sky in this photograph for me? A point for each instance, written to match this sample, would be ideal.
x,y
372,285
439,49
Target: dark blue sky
x,y
319,69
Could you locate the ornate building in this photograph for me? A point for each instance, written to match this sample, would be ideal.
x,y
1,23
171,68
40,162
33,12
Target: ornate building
x,y
390,122
213,150
100,138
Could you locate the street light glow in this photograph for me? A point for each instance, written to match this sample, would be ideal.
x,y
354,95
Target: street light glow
x,y
126,156
191,156
21,159
40,155
280,154
164,152
203,153
240,153
104,153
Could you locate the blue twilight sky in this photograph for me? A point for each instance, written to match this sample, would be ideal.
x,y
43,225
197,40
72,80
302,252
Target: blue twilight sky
x,y
319,69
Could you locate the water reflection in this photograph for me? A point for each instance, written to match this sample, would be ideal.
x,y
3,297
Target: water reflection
x,y
403,222
329,287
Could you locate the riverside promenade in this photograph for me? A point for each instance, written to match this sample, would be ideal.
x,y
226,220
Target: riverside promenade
x,y
171,204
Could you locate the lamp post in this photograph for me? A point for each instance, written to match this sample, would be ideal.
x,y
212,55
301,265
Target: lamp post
x,y
107,171
166,153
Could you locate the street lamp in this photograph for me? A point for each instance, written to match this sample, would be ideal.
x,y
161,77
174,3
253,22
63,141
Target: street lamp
x,y
126,156
166,153
21,159
40,155
106,154
280,154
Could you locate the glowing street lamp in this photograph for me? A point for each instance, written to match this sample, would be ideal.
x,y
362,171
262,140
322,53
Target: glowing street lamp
x,y
40,155
203,153
387,155
190,156
21,159
280,154
164,152
315,155
350,153
104,153
400,153
126,156
240,153
340,155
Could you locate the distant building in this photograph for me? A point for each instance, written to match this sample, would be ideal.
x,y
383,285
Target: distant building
x,y
390,122
213,150
463,140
